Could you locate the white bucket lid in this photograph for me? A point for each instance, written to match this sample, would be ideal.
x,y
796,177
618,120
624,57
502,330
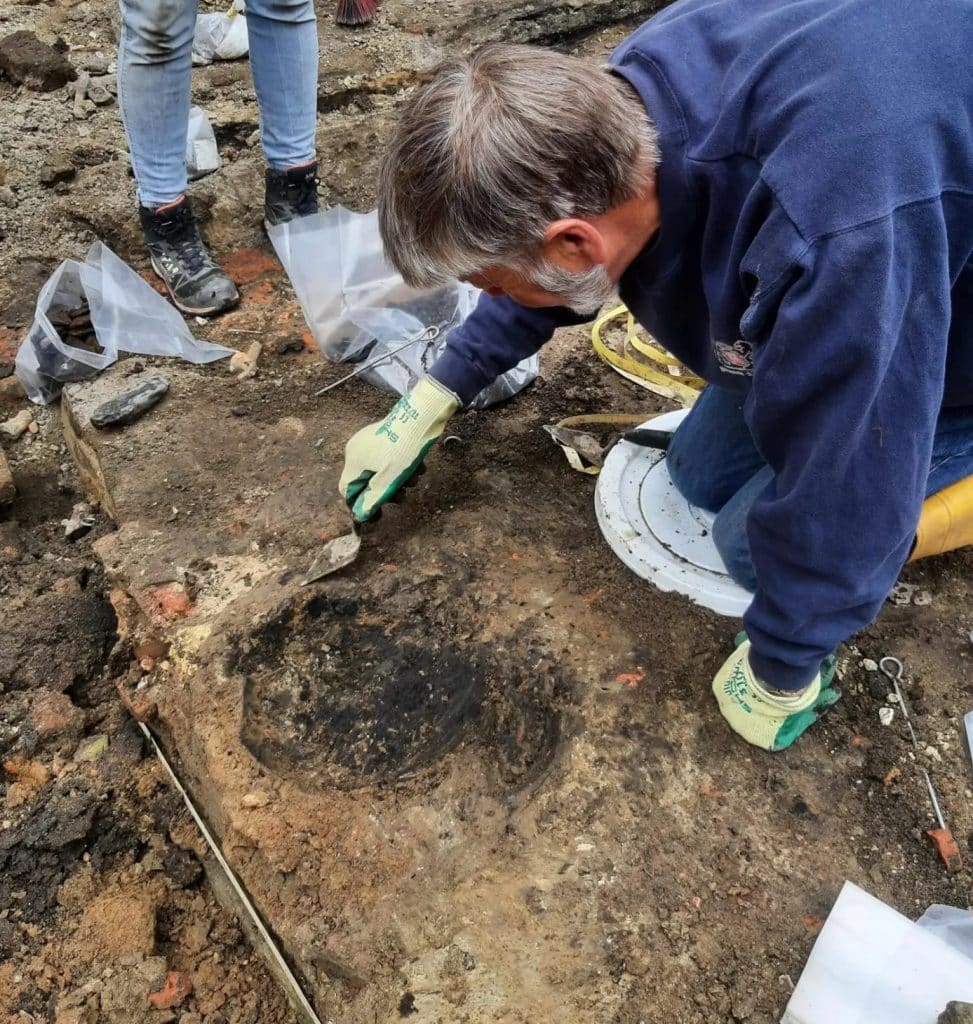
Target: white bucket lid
x,y
656,532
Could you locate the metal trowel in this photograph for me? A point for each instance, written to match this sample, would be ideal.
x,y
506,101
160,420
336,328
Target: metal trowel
x,y
335,555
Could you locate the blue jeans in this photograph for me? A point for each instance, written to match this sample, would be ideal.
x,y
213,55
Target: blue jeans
x,y
715,464
154,67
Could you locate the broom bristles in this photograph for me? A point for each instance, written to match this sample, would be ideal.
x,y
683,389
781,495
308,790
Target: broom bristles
x,y
356,12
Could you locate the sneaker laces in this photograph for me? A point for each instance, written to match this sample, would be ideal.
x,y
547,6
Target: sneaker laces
x,y
189,248
304,190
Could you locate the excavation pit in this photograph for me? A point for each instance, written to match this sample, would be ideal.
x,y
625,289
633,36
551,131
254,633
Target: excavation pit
x,y
337,694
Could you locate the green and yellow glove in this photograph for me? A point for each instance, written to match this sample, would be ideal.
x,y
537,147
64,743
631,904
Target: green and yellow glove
x,y
764,717
381,457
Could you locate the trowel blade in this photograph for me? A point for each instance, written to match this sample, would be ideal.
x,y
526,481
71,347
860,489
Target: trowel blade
x,y
335,555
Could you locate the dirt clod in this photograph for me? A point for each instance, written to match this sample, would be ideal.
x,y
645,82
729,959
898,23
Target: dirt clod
x,y
25,60
117,925
57,171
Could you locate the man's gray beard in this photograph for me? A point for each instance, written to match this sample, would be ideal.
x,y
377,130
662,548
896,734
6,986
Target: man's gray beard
x,y
585,291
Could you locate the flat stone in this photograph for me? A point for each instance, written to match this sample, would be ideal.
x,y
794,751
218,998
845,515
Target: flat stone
x,y
130,405
25,60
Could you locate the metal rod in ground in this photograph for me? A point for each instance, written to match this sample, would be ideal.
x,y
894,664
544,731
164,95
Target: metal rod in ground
x,y
427,335
940,820
296,991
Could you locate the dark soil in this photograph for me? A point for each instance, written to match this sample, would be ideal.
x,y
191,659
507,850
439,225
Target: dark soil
x,y
341,695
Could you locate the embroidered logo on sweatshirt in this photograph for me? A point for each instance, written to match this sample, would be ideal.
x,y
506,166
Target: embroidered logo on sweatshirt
x,y
735,358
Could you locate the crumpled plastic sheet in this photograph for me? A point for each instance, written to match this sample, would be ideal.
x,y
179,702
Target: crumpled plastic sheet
x,y
220,37
872,965
202,154
127,315
357,307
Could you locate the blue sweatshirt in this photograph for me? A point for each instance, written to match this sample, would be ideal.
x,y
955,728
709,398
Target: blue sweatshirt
x,y
814,254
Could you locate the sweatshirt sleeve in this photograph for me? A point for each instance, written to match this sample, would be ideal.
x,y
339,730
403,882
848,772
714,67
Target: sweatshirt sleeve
x,y
496,336
846,392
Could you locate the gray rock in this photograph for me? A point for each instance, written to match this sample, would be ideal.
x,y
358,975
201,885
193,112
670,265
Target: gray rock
x,y
128,406
957,1013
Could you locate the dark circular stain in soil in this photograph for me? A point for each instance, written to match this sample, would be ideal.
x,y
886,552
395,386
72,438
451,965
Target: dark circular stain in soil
x,y
340,696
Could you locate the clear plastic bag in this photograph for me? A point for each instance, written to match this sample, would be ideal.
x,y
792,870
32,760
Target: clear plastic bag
x,y
952,925
202,154
127,315
220,37
357,306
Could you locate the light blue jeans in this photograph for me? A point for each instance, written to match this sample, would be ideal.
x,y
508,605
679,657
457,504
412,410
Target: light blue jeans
x,y
714,464
154,67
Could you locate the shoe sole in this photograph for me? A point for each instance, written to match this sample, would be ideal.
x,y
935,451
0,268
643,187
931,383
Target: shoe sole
x,y
193,311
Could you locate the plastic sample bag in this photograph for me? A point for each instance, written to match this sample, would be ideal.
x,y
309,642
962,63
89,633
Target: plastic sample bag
x,y
220,37
871,965
952,925
357,307
202,155
127,315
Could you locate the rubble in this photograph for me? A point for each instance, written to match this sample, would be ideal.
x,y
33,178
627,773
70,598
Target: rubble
x,y
58,170
174,993
244,364
54,720
17,425
81,521
25,60
92,748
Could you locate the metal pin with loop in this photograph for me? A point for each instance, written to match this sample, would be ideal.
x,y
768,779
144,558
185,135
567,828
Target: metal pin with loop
x,y
942,837
427,334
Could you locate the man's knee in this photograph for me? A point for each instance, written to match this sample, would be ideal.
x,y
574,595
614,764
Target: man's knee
x,y
291,12
689,474
157,30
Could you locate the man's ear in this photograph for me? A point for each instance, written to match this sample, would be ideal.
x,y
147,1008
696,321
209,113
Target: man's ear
x,y
574,244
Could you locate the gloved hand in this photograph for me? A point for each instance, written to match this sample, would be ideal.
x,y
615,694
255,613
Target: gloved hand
x,y
765,717
381,457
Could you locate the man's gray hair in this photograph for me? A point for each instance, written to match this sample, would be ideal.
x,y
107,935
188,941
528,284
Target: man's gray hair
x,y
498,146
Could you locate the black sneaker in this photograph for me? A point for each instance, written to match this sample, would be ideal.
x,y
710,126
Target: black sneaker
x,y
181,259
290,194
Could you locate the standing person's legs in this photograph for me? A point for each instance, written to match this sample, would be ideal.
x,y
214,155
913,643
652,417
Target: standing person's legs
x,y
154,66
284,61
154,71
